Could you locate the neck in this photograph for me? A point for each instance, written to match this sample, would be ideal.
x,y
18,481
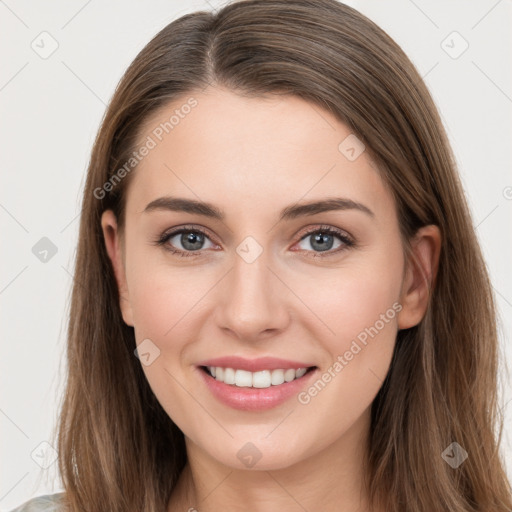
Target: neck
x,y
327,480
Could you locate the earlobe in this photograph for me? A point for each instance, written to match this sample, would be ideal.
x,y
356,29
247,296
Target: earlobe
x,y
420,276
113,246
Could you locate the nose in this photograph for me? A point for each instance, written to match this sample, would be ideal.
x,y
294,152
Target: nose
x,y
253,301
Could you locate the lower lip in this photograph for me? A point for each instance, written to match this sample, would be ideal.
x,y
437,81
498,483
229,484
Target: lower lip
x,y
255,399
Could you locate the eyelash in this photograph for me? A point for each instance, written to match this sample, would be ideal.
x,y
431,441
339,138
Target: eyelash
x,y
347,241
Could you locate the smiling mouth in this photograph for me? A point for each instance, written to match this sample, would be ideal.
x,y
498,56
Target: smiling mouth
x,y
260,380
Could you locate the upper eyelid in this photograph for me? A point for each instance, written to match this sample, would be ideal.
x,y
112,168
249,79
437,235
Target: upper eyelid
x,y
176,231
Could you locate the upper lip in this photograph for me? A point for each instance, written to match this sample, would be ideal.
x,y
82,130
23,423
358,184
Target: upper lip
x,y
254,365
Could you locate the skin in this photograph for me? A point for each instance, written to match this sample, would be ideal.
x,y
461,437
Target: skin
x,y
251,157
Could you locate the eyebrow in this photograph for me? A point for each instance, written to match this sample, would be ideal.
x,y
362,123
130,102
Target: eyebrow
x,y
180,204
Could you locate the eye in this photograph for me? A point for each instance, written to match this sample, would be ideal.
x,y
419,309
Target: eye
x,y
190,239
319,241
322,239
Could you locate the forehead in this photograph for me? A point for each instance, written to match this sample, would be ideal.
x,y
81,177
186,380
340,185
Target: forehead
x,y
218,146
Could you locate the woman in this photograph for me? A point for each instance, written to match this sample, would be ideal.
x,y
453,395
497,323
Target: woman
x,y
280,302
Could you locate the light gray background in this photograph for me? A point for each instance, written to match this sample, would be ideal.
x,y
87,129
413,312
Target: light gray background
x,y
50,112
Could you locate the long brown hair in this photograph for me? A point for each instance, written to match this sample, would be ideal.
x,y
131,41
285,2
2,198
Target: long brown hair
x,y
118,449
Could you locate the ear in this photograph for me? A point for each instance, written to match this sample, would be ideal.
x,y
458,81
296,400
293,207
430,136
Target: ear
x,y
420,276
114,249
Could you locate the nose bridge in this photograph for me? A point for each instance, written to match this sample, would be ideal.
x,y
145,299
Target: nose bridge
x,y
250,287
251,303
250,276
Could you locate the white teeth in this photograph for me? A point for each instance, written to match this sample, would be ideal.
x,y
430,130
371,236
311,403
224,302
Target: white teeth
x,y
277,377
261,379
300,372
289,375
229,376
243,379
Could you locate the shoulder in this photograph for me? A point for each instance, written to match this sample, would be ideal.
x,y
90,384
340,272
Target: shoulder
x,y
45,503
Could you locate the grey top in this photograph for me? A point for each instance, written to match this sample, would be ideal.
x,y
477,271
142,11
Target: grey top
x,y
45,503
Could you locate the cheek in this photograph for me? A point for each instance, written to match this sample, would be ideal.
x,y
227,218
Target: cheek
x,y
362,302
353,298
161,297
361,309
165,303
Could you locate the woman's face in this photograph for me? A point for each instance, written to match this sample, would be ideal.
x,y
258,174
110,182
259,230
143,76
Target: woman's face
x,y
260,277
